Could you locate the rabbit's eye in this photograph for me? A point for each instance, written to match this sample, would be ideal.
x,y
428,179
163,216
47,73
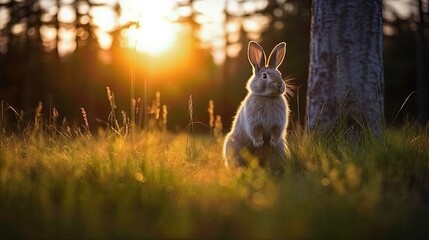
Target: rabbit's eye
x,y
264,76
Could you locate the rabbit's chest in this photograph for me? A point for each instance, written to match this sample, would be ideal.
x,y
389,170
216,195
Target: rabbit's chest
x,y
267,113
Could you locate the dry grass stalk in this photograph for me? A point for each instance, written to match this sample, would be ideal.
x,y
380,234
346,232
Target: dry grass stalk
x,y
112,116
218,127
85,118
164,117
191,148
125,123
215,122
38,117
210,109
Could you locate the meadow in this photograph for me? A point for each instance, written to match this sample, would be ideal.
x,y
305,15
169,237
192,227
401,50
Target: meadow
x,y
120,182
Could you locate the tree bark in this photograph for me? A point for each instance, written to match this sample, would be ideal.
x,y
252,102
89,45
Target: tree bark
x,y
346,84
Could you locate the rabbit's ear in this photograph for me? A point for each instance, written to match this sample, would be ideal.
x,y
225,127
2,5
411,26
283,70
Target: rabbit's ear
x,y
277,55
256,55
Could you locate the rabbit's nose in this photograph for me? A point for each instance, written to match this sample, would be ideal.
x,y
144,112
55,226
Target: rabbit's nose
x,y
278,85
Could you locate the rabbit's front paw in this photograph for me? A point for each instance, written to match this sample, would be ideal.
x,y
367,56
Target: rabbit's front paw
x,y
258,142
275,141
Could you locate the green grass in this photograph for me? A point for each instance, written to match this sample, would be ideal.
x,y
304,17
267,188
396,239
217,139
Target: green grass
x,y
147,186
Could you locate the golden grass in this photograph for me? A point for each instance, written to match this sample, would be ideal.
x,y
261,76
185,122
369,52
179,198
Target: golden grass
x,y
121,182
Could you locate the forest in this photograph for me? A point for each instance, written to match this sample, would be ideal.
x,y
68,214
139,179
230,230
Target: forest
x,y
67,63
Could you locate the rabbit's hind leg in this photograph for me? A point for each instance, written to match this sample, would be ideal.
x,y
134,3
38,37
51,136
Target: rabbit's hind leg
x,y
231,152
236,154
276,159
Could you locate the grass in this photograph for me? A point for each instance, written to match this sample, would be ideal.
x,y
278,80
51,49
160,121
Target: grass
x,y
71,184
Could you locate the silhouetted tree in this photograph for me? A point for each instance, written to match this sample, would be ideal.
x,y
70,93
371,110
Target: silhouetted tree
x,y
345,84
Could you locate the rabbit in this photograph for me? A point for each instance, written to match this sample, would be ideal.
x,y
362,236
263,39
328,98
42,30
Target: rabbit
x,y
259,127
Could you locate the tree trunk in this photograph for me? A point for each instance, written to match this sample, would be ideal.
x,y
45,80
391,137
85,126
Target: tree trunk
x,y
345,85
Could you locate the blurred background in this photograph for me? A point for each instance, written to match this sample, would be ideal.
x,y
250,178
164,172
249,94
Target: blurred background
x,y
64,53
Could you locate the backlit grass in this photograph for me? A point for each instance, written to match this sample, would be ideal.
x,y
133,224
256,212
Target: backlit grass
x,y
58,182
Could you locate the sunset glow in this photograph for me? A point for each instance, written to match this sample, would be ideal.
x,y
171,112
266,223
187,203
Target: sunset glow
x,y
155,32
155,28
151,37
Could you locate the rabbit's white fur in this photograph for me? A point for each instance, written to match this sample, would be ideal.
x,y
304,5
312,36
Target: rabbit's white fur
x,y
259,127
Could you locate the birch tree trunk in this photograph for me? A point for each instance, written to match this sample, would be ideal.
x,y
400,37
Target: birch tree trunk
x,y
346,84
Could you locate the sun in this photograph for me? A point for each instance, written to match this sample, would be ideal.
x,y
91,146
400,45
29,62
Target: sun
x,y
153,37
155,33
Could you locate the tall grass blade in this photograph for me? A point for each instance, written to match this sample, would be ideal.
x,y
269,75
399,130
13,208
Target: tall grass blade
x,y
400,109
